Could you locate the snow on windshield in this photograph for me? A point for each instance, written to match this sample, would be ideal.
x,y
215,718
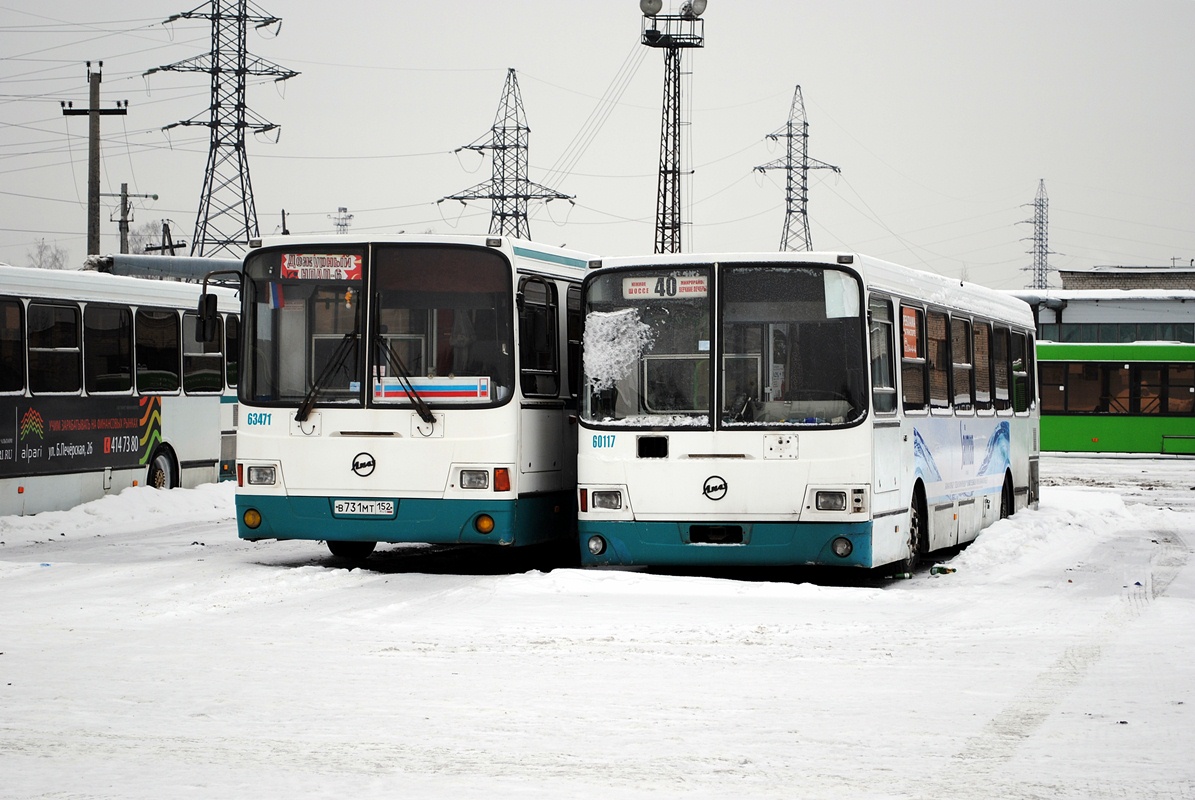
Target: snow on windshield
x,y
613,343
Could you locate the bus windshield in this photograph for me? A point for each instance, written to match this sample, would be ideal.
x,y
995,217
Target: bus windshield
x,y
389,325
789,341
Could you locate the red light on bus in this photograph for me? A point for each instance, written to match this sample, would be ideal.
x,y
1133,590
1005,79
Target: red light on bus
x,y
584,504
501,479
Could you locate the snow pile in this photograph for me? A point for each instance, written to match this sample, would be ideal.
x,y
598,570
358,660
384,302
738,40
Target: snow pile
x,y
1068,522
139,507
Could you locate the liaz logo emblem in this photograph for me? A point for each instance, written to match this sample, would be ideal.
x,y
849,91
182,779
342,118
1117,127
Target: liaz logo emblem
x,y
714,488
363,464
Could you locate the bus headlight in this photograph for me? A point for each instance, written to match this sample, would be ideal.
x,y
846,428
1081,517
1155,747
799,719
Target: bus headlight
x,y
251,518
475,479
611,501
596,545
484,523
261,476
830,501
842,547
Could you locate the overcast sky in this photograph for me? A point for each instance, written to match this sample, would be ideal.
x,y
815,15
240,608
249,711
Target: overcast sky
x,y
943,116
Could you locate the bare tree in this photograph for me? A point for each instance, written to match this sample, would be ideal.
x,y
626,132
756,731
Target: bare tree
x,y
144,235
47,256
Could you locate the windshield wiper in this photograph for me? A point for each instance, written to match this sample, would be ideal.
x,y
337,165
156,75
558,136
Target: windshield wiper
x,y
404,377
334,363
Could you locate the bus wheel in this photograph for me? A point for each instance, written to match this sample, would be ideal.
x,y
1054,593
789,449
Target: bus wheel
x,y
162,474
916,541
1006,499
357,551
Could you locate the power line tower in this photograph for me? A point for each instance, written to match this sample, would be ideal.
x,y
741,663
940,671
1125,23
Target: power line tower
x,y
672,33
227,217
1041,234
796,164
509,187
341,220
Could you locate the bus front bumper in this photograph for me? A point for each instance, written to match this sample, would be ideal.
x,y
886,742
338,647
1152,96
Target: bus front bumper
x,y
525,520
626,543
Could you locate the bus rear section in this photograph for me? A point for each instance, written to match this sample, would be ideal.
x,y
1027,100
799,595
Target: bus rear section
x,y
406,390
723,406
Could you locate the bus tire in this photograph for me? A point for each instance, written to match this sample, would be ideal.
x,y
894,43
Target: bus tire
x,y
1007,499
355,551
916,543
162,474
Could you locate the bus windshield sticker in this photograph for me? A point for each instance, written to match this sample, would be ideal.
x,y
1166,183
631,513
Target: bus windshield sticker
x,y
321,267
842,295
458,389
664,287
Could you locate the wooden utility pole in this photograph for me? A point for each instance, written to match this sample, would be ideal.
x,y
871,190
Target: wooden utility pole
x,y
94,112
124,213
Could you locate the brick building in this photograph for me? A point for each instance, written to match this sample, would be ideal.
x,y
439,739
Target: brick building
x,y
1109,277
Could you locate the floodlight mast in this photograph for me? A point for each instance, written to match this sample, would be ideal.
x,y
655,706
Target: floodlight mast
x,y
672,33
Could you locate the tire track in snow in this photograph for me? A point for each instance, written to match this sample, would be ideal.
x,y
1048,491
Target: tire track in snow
x,y
985,754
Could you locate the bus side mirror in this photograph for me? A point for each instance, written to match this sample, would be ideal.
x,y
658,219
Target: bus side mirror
x,y
209,317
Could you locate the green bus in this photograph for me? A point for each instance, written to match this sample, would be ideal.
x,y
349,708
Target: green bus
x,y
1136,397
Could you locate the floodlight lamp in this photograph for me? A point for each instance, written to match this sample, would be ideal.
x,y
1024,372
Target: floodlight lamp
x,y
693,8
650,7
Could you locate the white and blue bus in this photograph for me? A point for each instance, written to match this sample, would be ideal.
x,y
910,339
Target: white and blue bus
x,y
798,408
104,385
409,389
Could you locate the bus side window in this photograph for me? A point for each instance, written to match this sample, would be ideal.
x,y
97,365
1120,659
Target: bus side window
x,y
913,366
540,371
1180,388
1021,363
108,348
232,348
937,334
203,362
1053,387
158,351
982,349
12,346
963,367
572,319
55,356
1000,367
883,380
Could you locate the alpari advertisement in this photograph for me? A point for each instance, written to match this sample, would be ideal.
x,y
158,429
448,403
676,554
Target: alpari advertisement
x,y
49,435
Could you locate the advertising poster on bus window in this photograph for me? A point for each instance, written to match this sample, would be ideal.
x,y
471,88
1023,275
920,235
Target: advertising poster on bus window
x,y
908,333
48,435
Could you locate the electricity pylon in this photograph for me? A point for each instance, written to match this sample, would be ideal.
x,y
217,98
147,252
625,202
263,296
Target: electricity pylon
x,y
509,188
796,163
227,217
1041,234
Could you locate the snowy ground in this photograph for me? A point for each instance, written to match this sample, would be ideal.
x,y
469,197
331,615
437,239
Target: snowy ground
x,y
145,652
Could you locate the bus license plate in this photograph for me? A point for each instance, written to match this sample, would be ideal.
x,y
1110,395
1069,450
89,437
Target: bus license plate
x,y
363,508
